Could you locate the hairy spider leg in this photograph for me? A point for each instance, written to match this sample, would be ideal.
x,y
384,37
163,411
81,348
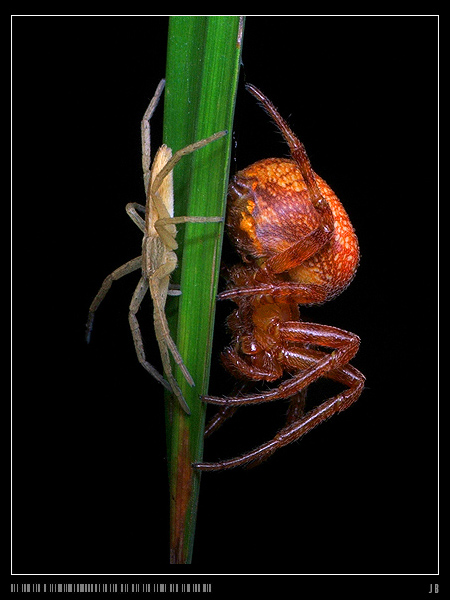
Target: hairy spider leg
x,y
296,429
302,293
344,346
290,346
295,411
146,136
138,295
129,267
298,153
136,301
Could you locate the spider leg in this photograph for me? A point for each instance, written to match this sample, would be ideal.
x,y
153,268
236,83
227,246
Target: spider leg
x,y
179,155
293,431
307,293
132,208
223,414
129,267
299,154
165,235
217,420
300,251
175,388
171,383
136,301
344,346
166,218
235,363
145,133
159,285
296,408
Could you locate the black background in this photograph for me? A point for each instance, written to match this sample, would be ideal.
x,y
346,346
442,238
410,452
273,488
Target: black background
x,y
358,494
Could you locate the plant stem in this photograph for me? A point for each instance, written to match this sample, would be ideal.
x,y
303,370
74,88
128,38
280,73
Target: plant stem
x,y
201,82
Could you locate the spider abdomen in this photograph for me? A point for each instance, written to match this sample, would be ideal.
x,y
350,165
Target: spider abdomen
x,y
270,210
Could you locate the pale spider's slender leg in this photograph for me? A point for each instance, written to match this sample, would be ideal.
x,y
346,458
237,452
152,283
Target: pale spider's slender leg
x,y
158,283
132,208
174,387
168,167
129,267
145,134
168,238
136,301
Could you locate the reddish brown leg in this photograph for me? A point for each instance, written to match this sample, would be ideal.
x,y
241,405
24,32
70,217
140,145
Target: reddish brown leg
x,y
298,153
236,364
216,421
223,413
297,253
296,408
344,344
347,375
298,292
295,411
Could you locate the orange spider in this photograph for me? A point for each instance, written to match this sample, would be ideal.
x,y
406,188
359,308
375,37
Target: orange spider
x,y
298,247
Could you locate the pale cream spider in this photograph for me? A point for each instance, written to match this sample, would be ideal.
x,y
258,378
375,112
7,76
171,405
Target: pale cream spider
x,y
158,259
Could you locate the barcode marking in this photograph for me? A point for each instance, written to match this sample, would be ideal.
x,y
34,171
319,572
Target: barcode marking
x,y
122,588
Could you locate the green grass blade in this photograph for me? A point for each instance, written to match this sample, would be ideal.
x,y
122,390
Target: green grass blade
x,y
201,83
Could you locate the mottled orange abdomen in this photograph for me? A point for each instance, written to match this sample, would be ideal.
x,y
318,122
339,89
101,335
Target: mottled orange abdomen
x,y
269,210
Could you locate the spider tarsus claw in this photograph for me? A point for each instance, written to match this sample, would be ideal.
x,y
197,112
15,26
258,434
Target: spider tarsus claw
x,y
184,405
190,381
188,376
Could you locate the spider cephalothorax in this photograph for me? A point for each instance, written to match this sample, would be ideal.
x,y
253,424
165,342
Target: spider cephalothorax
x,y
298,247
